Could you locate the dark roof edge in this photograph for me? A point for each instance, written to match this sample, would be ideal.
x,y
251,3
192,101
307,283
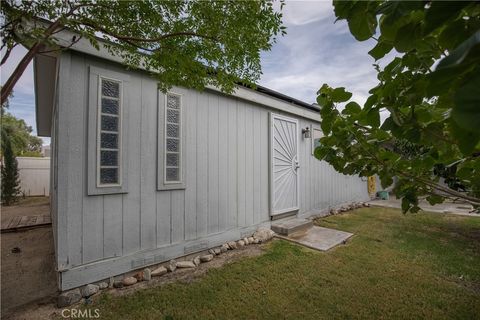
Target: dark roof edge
x,y
286,98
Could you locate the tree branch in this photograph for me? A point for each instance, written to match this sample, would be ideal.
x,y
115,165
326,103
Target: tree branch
x,y
7,54
74,40
422,180
136,39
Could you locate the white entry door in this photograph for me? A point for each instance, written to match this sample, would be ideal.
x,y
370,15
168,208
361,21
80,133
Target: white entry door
x,y
284,164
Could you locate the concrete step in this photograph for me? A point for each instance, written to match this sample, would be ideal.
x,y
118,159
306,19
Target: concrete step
x,y
288,226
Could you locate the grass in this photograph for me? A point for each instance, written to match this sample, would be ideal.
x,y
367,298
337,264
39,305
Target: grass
x,y
416,266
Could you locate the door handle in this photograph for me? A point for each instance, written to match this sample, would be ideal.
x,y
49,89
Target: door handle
x,y
296,165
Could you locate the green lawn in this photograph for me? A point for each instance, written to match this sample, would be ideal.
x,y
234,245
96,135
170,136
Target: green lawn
x,y
415,266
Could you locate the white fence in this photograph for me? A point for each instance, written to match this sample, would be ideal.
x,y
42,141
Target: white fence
x,y
34,175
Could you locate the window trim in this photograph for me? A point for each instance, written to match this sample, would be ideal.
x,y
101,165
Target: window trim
x,y
96,71
185,100
180,139
100,131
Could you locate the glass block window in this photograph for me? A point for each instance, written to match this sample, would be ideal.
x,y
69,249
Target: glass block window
x,y
173,139
108,139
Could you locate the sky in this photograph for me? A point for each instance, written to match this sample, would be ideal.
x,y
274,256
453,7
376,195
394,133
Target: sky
x,y
314,51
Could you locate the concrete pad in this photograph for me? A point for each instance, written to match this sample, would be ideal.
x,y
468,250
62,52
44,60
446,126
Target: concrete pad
x,y
318,238
289,226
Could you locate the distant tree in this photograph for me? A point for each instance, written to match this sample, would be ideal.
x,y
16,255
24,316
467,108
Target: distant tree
x,y
431,91
19,134
10,180
189,43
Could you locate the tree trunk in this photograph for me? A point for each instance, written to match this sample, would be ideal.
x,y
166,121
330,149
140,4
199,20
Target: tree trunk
x,y
19,70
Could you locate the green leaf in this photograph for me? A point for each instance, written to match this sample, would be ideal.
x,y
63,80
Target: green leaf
x,y
405,204
457,56
362,23
434,199
406,37
388,124
342,8
373,118
467,140
322,100
440,81
466,111
453,35
380,50
340,95
352,108
440,12
321,152
326,123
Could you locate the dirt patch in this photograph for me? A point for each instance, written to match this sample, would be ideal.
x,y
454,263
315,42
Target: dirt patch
x,y
48,310
28,268
28,258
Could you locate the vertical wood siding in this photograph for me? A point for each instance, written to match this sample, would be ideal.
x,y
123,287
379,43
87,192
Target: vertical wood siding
x,y
227,167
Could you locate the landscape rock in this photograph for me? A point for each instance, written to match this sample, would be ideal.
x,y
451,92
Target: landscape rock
x,y
103,285
185,264
160,271
212,251
89,290
139,276
147,274
111,281
263,234
240,243
68,298
217,251
171,265
250,240
367,204
232,245
119,284
206,258
196,261
246,241
256,241
224,248
128,281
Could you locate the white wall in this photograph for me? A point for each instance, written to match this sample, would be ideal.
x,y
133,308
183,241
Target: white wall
x,y
34,175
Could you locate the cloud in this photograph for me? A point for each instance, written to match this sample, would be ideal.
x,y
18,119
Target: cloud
x,y
296,13
317,50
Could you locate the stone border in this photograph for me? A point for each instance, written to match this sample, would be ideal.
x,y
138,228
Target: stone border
x,y
192,261
352,206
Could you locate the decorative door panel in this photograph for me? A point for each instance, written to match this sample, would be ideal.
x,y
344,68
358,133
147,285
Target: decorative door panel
x,y
284,164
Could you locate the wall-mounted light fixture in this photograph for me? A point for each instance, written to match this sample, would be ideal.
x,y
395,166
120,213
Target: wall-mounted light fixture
x,y
306,132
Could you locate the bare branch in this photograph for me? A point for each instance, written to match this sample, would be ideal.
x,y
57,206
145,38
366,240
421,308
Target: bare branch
x,y
7,54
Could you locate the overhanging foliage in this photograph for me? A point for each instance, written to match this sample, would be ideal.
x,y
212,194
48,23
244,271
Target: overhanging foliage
x,y
431,91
